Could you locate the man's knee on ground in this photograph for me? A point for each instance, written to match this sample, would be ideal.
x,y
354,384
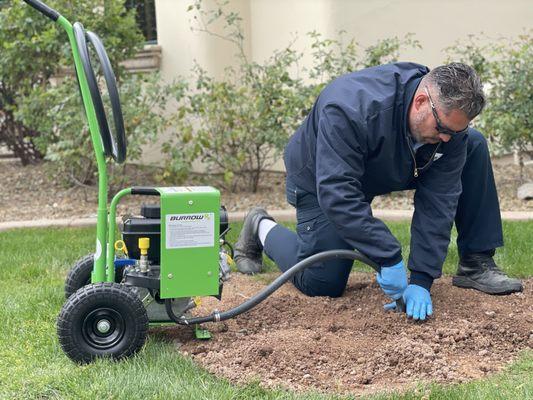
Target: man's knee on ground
x,y
314,288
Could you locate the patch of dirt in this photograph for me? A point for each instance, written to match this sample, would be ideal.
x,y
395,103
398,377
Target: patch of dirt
x,y
31,193
350,345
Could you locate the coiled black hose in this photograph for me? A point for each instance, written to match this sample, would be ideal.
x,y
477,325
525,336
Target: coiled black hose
x,y
278,282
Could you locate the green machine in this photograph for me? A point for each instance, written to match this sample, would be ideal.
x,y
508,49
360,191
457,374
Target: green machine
x,y
174,251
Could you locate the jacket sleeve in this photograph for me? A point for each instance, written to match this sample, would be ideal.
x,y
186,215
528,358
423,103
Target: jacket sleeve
x,y
436,197
340,164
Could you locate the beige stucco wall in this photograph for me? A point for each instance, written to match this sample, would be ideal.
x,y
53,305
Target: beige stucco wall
x,y
272,24
180,46
436,24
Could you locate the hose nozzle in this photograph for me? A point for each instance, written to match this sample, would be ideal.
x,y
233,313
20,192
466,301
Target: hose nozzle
x,y
144,245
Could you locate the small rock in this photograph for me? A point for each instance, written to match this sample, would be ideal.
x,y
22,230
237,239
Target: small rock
x,y
483,352
307,376
525,192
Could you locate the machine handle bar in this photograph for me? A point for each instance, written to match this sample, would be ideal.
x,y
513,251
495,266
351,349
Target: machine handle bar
x,y
43,8
145,191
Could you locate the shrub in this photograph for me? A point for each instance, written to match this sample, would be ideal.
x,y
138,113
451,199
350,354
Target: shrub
x,y
506,67
68,145
335,57
239,126
236,127
33,50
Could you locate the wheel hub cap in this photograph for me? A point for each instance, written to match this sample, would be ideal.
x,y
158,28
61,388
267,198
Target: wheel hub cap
x,y
103,326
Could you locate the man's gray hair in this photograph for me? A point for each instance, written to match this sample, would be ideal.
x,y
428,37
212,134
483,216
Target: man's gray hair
x,y
459,88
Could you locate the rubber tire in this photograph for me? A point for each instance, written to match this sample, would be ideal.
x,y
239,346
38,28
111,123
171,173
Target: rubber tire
x,y
80,275
102,296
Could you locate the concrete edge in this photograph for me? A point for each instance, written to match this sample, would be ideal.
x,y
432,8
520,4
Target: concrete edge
x,y
279,215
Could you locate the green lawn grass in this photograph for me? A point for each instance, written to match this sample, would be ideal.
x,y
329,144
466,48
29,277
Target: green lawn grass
x,y
33,264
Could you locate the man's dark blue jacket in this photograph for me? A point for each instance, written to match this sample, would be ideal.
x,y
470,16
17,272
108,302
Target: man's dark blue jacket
x,y
355,144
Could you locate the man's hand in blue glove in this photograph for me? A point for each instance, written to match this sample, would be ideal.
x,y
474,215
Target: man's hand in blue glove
x,y
393,280
417,303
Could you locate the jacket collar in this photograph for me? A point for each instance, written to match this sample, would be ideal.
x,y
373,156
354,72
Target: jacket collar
x,y
409,94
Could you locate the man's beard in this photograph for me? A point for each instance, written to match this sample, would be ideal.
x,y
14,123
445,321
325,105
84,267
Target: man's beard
x,y
416,126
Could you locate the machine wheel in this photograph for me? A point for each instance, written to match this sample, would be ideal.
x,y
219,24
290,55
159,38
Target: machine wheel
x,y
80,275
102,320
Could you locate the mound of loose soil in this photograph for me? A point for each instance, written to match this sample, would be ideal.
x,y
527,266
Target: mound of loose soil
x,y
350,345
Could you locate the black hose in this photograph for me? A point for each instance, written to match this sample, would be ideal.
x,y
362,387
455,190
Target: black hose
x,y
43,8
278,282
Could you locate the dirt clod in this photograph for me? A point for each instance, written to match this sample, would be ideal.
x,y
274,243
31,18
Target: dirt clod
x,y
265,351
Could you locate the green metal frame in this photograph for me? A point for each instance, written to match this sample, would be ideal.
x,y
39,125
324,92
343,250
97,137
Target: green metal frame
x,y
203,279
99,271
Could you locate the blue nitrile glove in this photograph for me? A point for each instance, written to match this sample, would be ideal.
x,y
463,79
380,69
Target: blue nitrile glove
x,y
393,280
417,303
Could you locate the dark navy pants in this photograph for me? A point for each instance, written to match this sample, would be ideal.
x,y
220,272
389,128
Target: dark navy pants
x,y
477,220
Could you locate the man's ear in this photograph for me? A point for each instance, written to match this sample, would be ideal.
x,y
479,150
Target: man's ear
x,y
419,100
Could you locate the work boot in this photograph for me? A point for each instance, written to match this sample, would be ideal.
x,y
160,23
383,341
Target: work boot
x,y
248,249
479,271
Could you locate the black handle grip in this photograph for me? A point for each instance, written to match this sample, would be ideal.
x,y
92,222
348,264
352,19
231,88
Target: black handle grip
x,y
144,191
118,136
43,8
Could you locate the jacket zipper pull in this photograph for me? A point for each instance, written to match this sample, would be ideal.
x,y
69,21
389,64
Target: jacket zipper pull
x,y
416,172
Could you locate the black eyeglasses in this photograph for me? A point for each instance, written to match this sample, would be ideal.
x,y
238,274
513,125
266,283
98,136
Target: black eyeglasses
x,y
440,128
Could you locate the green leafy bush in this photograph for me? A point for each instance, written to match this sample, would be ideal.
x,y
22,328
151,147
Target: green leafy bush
x,y
506,68
335,57
33,50
239,126
68,144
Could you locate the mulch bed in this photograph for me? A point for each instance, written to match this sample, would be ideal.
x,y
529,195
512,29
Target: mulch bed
x,y
30,192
